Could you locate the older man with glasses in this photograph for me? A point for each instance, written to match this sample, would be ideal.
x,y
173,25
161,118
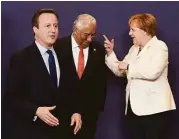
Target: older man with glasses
x,y
82,63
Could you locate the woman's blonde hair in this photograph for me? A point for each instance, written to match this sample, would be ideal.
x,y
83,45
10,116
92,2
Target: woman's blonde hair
x,y
146,22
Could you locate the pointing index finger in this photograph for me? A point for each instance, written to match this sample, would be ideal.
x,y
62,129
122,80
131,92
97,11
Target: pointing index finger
x,y
105,37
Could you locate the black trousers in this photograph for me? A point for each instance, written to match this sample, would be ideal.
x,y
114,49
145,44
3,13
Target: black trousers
x,y
153,126
88,129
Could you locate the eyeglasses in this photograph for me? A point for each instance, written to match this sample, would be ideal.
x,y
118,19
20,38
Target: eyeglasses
x,y
87,35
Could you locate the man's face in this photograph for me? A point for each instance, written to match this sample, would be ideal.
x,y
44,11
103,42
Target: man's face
x,y
85,35
136,33
47,32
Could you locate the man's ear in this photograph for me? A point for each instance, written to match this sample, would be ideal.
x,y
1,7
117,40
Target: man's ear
x,y
35,29
74,30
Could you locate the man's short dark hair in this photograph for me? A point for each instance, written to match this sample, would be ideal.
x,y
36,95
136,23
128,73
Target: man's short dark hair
x,y
35,18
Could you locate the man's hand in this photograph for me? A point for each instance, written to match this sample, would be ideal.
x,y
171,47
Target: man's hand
x,y
109,45
76,118
44,114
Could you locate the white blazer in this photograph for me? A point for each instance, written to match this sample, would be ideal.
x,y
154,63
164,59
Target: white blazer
x,y
148,88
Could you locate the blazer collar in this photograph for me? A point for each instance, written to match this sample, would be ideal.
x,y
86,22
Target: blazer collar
x,y
147,45
150,42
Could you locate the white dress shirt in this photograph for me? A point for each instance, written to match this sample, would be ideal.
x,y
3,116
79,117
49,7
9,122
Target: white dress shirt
x,y
45,57
76,50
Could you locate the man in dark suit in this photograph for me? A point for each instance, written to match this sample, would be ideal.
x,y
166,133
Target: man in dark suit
x,y
33,89
83,72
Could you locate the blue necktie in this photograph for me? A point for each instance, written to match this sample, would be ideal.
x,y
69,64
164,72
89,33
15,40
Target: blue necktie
x,y
52,67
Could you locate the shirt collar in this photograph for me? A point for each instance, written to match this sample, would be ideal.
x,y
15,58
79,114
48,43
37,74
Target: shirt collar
x,y
74,43
42,49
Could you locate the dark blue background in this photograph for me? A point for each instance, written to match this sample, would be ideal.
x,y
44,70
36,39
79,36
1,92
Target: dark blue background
x,y
112,20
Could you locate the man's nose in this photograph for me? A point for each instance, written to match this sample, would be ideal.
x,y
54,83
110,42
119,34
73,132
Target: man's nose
x,y
53,29
89,39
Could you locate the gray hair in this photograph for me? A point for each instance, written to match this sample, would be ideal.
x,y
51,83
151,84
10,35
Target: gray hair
x,y
84,20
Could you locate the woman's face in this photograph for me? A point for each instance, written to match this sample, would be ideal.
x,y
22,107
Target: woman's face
x,y
136,33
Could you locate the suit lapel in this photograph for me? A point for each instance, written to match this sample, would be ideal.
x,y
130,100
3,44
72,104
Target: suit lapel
x,y
135,57
89,63
91,58
143,52
41,69
70,58
147,47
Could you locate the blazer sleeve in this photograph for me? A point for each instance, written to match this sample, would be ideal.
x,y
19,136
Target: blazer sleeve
x,y
151,69
112,63
16,90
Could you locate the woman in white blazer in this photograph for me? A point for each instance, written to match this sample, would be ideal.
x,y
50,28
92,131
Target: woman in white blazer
x,y
149,99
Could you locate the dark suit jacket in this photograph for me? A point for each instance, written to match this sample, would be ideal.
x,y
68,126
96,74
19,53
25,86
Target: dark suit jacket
x,y
28,87
88,94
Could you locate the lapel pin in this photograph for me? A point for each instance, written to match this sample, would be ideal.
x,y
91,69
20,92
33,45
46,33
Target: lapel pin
x,y
94,49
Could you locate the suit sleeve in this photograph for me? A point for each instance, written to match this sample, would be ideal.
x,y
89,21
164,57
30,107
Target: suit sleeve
x,y
153,67
16,89
102,83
